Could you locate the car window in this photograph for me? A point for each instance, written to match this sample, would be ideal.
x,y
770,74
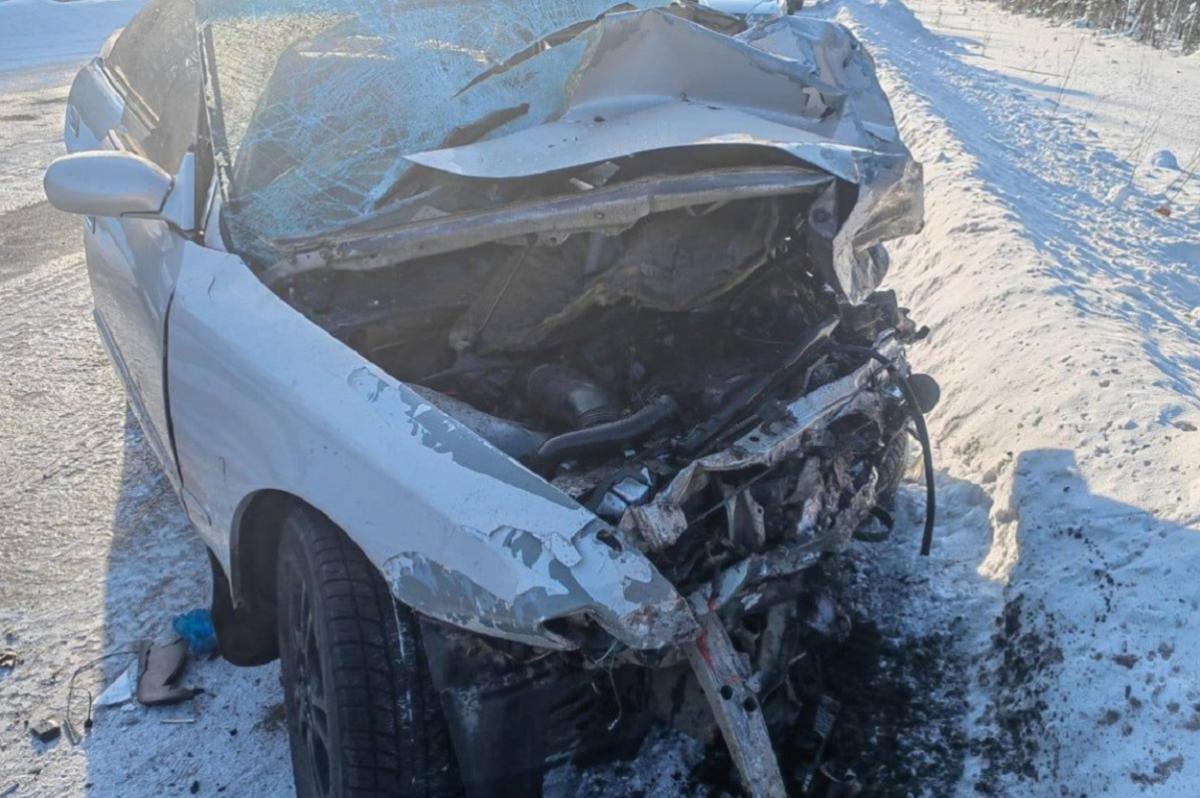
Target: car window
x,y
156,62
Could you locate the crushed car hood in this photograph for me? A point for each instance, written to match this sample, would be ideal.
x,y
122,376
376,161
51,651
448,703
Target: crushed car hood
x,y
351,100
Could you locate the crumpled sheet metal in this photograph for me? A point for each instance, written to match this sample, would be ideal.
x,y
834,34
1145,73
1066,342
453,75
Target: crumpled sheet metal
x,y
356,88
549,578
653,81
657,81
509,581
661,522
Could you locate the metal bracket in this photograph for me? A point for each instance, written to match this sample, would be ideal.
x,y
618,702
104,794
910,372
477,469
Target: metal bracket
x,y
724,677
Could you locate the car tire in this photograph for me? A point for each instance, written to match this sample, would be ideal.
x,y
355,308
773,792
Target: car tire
x,y
891,468
363,716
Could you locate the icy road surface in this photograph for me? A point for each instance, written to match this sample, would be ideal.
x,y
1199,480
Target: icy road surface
x,y
1060,272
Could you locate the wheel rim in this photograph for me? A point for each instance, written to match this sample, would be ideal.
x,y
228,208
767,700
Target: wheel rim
x,y
309,687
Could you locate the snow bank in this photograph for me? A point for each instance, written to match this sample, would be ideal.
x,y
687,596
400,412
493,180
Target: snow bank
x,y
1065,339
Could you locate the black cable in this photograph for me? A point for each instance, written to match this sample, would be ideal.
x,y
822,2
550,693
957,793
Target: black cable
x,y
914,409
67,722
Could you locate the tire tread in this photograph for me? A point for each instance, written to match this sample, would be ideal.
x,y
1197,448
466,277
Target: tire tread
x,y
394,740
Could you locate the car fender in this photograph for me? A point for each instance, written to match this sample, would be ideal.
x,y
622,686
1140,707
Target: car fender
x,y
263,399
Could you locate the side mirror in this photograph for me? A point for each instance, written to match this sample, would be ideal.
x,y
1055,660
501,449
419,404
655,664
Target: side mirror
x,y
107,183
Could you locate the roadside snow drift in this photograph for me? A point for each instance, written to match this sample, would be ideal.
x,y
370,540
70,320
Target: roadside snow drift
x,y
1063,302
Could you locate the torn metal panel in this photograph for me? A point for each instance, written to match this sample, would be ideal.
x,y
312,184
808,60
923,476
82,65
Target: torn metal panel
x,y
654,81
549,579
660,523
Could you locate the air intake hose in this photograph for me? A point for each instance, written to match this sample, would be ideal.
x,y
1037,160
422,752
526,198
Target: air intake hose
x,y
569,397
610,436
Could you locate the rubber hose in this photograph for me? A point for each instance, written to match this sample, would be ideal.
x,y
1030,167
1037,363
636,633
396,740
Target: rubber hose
x,y
914,410
610,435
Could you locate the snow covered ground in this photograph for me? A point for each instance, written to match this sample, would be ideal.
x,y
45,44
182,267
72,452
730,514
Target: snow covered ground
x,y
1065,315
1060,273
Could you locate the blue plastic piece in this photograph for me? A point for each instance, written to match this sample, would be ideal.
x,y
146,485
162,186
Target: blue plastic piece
x,y
196,627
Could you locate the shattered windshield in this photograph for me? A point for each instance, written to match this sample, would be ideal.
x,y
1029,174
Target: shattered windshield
x,y
319,100
325,108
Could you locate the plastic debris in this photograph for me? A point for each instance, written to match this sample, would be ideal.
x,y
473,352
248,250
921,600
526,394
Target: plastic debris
x,y
121,689
196,627
45,730
9,658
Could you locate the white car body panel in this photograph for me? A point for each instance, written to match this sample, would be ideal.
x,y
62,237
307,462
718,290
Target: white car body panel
x,y
132,266
262,399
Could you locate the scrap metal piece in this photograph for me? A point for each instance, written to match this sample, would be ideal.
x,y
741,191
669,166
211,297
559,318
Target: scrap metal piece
x,y
744,515
659,526
724,678
786,560
634,488
661,522
628,491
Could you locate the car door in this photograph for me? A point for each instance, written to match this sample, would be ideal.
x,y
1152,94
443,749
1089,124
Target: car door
x,y
142,95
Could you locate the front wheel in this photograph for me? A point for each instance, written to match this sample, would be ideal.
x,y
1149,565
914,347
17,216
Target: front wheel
x,y
363,717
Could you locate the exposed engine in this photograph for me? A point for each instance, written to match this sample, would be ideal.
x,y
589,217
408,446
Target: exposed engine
x,y
694,380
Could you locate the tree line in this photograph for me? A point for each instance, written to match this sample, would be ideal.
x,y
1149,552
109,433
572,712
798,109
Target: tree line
x,y
1161,23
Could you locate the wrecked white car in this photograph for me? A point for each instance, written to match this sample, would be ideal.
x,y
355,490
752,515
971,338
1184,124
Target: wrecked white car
x,y
516,361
